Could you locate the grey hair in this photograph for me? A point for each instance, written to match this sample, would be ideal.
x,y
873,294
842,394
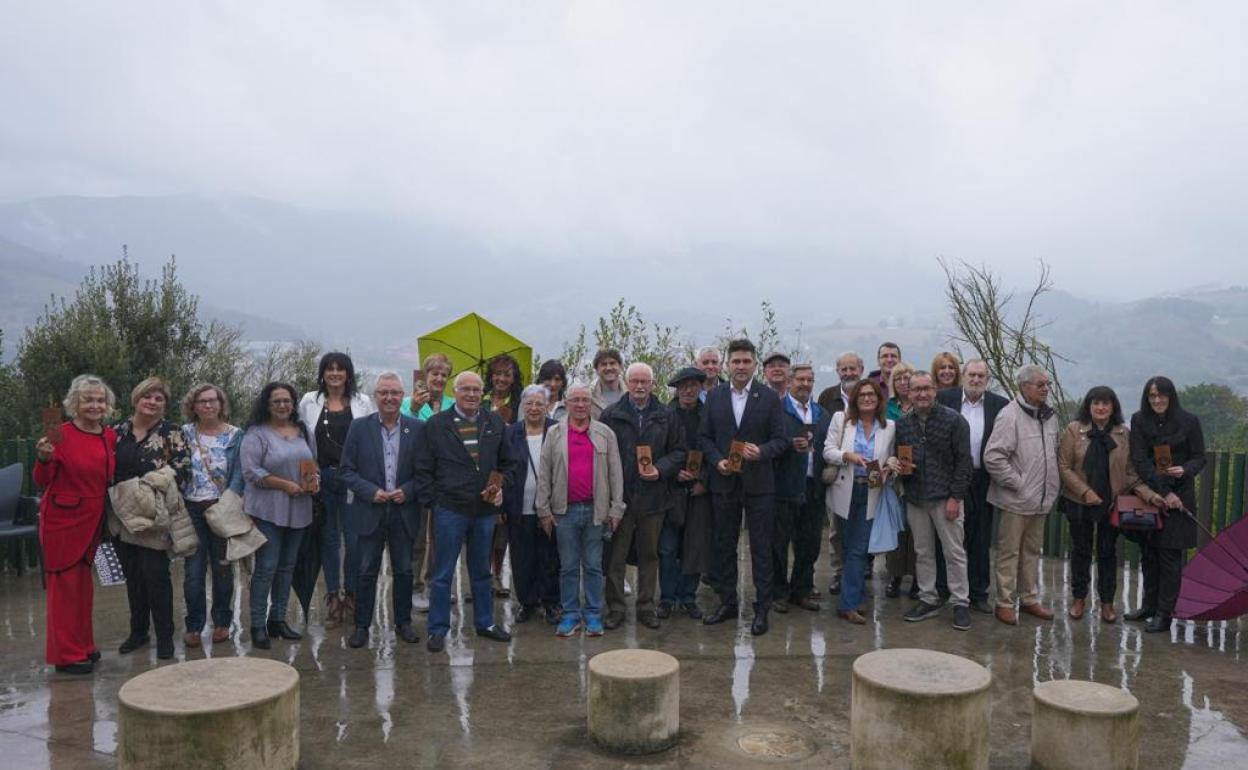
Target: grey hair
x,y
464,375
577,384
81,384
1028,372
709,349
387,376
536,389
970,361
638,365
916,373
847,354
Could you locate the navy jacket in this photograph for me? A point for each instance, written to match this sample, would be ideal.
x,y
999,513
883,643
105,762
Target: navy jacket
x,y
518,446
363,470
993,402
661,431
762,423
791,465
446,476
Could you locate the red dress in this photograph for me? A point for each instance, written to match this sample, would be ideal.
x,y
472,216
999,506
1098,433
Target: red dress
x,y
71,516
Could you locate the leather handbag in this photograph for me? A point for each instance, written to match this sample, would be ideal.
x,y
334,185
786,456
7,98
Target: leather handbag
x,y
1132,513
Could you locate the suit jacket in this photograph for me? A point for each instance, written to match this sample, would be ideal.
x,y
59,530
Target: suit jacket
x,y
791,465
840,439
762,423
446,476
952,398
363,470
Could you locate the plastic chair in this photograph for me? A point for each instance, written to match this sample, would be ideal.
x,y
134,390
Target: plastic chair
x,y
15,510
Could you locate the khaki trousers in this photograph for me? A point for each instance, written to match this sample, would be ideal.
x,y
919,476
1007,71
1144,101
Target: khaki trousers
x,y
646,527
927,525
1019,540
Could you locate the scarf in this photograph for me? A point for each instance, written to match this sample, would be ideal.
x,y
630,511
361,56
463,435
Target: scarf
x,y
1096,461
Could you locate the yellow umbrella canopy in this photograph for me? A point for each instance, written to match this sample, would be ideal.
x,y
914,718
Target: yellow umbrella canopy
x,y
470,342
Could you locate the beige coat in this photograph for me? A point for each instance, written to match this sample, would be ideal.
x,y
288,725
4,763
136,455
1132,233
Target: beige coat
x,y
148,511
1021,459
1122,477
552,473
841,440
227,520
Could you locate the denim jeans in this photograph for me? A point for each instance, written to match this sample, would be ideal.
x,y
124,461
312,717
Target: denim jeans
x,y
451,531
855,539
209,556
275,568
675,587
580,550
335,533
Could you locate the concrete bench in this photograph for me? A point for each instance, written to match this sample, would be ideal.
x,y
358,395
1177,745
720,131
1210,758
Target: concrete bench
x,y
634,700
918,709
218,713
1077,724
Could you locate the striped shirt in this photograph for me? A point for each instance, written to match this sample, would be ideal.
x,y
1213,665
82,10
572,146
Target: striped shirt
x,y
469,433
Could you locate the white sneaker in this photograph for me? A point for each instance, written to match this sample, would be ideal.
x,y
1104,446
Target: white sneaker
x,y
420,601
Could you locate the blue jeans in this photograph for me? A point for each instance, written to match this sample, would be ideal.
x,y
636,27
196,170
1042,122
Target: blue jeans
x,y
580,549
209,555
334,533
674,586
855,534
275,567
451,531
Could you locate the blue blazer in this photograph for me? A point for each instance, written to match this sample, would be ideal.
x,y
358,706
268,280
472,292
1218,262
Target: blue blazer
x,y
762,423
363,470
513,495
791,465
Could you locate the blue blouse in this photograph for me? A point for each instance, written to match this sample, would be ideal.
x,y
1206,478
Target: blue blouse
x,y
863,446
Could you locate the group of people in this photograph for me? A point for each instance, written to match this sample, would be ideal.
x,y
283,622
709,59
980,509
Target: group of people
x,y
577,480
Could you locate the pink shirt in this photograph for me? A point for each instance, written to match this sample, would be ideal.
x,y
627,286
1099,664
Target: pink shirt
x,y
580,466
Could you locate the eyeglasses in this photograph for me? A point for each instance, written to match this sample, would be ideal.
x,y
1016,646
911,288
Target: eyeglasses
x,y
280,402
205,401
388,393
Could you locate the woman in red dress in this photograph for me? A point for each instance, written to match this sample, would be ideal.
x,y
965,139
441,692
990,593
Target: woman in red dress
x,y
74,475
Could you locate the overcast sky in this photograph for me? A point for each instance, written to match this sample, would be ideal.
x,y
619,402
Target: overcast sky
x,y
1107,138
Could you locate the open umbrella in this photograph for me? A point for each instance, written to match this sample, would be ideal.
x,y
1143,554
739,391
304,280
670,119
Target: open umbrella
x,y
1215,581
470,342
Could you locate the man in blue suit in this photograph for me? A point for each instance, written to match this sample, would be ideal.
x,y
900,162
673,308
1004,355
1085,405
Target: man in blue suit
x,y
378,467
748,412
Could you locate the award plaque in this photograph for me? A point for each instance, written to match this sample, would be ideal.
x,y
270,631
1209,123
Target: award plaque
x,y
693,462
52,418
874,477
309,476
1162,457
736,456
492,485
905,456
645,459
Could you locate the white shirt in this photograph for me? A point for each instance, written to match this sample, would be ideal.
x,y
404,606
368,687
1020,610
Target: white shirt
x,y
739,400
530,481
973,411
807,414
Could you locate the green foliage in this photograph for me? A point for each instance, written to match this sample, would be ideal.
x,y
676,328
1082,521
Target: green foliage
x,y
768,340
1223,415
625,329
11,422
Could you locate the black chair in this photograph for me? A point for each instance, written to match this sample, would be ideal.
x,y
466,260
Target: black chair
x,y
19,515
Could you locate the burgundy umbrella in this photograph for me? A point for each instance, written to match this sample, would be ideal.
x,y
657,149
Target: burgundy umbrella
x,y
1215,581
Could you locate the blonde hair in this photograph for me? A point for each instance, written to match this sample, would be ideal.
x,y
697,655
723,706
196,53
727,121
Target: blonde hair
x,y
943,357
81,384
438,359
147,386
901,368
188,403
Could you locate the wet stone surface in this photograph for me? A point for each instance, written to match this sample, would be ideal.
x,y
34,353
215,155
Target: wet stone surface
x,y
778,699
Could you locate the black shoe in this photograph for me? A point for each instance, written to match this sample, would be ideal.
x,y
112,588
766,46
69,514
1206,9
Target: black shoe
x,y
552,615
524,614
260,638
665,611
164,649
1142,613
280,628
81,667
779,605
613,620
648,619
359,638
893,590
691,609
1157,624
407,633
133,643
982,606
834,587
759,626
94,657
722,612
495,633
914,590
921,611
961,618
436,643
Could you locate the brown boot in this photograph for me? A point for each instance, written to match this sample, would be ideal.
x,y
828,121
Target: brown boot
x,y
1077,608
1108,613
333,611
1007,615
1038,610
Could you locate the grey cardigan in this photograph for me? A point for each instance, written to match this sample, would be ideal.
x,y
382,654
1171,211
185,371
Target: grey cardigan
x,y
552,473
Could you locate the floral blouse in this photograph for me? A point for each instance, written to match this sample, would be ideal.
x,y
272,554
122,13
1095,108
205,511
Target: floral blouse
x,y
210,461
163,445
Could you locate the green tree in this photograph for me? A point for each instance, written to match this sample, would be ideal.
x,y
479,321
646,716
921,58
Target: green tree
x,y
626,329
12,423
1223,415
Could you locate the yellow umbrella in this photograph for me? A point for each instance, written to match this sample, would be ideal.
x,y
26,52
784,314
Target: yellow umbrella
x,y
470,342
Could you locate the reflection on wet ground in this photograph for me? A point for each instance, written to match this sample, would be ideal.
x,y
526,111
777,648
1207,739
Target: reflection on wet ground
x,y
783,697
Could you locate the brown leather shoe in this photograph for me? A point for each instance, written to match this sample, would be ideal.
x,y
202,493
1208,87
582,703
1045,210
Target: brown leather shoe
x,y
853,616
333,610
192,640
220,634
1077,608
1038,610
808,603
1108,613
1007,615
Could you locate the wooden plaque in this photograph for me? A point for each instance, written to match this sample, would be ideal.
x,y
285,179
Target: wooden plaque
x,y
309,476
736,456
905,456
874,477
1162,457
645,459
52,419
492,485
693,462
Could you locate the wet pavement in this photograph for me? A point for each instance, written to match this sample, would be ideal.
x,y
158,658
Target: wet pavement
x,y
779,699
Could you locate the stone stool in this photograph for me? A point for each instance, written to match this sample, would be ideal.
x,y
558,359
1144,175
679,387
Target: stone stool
x,y
634,700
918,708
217,713
1078,724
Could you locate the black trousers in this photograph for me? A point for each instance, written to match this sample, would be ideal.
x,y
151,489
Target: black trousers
x,y
759,520
799,524
1163,574
1083,531
370,548
976,538
148,589
534,563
